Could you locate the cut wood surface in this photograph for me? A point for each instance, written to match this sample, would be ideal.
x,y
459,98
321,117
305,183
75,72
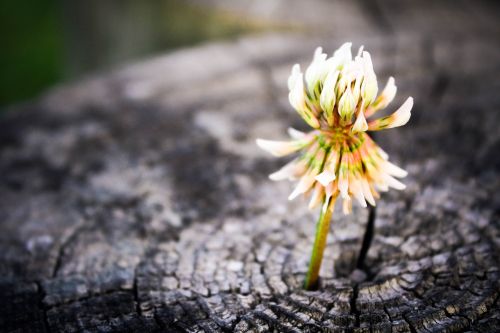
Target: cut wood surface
x,y
137,200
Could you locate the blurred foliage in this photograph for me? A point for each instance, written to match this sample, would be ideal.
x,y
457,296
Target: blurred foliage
x,y
186,24
31,48
46,41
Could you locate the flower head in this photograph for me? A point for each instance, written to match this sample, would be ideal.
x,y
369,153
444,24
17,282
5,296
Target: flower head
x,y
335,97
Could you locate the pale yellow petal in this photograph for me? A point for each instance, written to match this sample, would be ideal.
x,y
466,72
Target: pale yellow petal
x,y
398,118
383,99
347,206
317,196
360,124
305,183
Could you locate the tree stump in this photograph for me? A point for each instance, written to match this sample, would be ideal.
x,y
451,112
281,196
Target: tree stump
x,y
138,201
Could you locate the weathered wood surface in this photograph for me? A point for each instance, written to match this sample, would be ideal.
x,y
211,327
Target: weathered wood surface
x,y
138,201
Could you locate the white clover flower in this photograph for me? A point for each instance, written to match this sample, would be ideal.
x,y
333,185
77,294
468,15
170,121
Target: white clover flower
x,y
338,158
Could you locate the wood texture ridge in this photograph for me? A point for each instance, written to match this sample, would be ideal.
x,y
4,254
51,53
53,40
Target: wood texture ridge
x,y
137,201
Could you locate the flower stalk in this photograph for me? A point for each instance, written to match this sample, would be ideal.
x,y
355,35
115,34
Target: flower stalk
x,y
322,228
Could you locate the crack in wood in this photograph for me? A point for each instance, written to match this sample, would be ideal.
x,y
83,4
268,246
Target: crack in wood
x,y
354,310
410,325
135,291
367,240
41,305
65,243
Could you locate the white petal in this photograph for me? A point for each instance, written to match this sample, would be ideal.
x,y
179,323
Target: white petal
x,y
360,124
343,187
317,70
291,170
316,196
382,187
398,118
296,134
343,54
325,178
327,98
369,88
294,76
303,186
382,153
387,94
367,61
403,114
346,104
393,182
279,148
358,192
360,51
394,170
367,192
331,190
297,95
346,206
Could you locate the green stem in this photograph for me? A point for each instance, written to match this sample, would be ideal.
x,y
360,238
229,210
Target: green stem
x,y
322,228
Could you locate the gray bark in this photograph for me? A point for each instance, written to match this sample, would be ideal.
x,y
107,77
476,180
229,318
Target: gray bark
x,y
138,201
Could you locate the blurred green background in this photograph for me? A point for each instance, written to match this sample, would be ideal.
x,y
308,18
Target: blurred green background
x,y
48,41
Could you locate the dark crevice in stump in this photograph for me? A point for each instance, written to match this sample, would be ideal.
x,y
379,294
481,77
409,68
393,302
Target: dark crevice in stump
x,y
42,307
353,305
367,240
63,246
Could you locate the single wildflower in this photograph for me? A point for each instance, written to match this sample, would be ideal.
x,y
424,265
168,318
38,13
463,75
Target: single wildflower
x,y
336,97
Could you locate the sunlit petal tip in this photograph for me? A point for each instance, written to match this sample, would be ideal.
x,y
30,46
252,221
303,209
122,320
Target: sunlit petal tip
x,y
344,52
296,192
318,51
346,104
390,85
316,197
394,170
398,118
294,76
286,172
346,206
382,187
327,97
278,148
325,178
389,92
276,176
403,114
297,94
358,195
394,183
360,125
360,51
324,207
367,192
296,134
